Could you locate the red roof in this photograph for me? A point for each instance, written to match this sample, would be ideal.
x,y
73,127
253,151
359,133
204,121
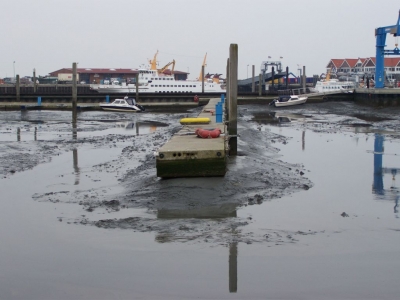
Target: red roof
x,y
336,62
105,71
389,61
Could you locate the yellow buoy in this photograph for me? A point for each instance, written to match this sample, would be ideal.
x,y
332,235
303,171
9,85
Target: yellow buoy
x,y
186,121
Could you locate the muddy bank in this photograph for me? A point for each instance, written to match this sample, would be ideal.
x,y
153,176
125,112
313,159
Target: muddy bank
x,y
196,210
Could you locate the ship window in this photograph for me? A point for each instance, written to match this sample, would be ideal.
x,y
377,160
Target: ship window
x,y
163,85
175,85
179,86
163,79
194,86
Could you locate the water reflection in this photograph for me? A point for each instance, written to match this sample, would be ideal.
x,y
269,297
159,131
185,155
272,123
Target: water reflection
x,y
145,127
191,208
379,171
75,166
18,134
233,254
75,151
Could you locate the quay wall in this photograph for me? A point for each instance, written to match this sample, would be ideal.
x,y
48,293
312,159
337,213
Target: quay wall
x,y
378,97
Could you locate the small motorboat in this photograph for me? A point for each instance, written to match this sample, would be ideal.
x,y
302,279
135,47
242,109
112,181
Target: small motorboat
x,y
288,100
125,105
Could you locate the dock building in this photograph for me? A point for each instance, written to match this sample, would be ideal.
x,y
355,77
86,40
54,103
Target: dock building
x,y
98,75
363,66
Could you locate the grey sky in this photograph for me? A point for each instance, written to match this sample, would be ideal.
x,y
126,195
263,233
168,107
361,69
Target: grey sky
x,y
50,34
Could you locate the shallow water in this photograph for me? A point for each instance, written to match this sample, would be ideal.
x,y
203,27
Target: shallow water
x,y
301,247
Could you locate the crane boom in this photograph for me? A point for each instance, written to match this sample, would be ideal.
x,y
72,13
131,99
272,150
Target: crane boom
x,y
203,65
167,65
153,63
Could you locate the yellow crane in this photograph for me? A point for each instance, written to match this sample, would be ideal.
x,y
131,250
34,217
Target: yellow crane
x,y
153,63
201,70
166,66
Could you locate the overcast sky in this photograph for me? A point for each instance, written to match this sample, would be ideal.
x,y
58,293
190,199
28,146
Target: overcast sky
x,y
50,34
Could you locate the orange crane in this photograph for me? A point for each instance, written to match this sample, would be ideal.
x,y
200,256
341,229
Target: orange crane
x,y
153,63
203,65
163,69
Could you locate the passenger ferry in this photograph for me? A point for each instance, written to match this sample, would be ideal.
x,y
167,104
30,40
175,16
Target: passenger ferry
x,y
152,80
334,85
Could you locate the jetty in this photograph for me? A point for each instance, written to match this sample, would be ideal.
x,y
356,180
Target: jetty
x,y
188,155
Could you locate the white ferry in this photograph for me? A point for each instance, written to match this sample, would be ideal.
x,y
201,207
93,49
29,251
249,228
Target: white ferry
x,y
152,80
334,85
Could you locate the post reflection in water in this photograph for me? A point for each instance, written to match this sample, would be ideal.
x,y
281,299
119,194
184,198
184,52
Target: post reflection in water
x,y
18,134
75,151
233,251
378,186
303,140
75,165
35,134
169,208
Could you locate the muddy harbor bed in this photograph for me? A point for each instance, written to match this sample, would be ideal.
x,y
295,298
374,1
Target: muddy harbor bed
x,y
84,215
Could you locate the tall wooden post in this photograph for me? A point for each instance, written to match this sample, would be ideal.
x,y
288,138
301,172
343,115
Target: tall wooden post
x,y
202,79
227,104
137,87
287,78
34,81
253,84
260,85
74,93
304,79
17,88
273,78
233,89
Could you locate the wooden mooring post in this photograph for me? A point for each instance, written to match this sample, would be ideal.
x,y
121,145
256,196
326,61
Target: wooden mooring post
x,y
17,88
233,90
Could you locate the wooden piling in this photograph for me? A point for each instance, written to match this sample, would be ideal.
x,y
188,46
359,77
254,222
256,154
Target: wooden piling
x,y
253,84
202,79
74,93
34,81
137,87
273,78
17,88
287,78
233,89
304,79
259,85
227,91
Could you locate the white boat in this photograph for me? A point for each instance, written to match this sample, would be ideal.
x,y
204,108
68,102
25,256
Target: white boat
x,y
124,105
288,100
153,80
334,85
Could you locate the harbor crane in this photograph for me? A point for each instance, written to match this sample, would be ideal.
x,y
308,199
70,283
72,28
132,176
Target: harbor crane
x,y
380,34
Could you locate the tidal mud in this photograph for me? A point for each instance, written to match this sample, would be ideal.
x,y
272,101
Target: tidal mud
x,y
119,188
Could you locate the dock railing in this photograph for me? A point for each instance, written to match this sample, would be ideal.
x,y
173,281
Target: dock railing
x,y
300,91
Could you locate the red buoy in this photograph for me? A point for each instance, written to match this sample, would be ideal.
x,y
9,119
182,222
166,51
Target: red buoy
x,y
208,134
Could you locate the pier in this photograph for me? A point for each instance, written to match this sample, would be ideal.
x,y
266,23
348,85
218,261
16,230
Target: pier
x,y
186,155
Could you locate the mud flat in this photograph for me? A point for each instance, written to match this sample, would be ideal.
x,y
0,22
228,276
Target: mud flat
x,y
87,217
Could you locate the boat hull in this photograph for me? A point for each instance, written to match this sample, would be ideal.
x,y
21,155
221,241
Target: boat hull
x,y
291,103
110,108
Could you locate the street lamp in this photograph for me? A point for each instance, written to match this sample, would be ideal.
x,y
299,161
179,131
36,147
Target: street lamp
x,y
247,71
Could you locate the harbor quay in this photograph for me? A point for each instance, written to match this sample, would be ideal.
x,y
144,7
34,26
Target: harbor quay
x,y
188,155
